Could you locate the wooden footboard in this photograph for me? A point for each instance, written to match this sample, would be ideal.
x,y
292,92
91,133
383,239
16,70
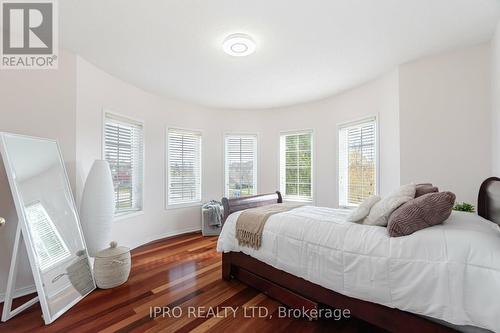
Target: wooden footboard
x,y
298,293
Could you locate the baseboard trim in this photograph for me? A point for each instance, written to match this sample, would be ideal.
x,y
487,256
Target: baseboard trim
x,y
167,235
20,292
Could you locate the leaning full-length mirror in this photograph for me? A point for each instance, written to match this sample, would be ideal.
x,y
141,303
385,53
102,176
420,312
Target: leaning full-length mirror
x,y
49,221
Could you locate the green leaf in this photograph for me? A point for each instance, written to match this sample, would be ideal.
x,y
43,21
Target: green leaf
x,y
464,207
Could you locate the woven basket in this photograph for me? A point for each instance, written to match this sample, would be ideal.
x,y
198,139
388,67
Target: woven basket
x,y
112,266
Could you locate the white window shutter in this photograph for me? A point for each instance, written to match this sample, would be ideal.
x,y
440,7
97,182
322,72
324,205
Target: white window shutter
x,y
184,167
240,165
296,166
124,151
357,162
50,246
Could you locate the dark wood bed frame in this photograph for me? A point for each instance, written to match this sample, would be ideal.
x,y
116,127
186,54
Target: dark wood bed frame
x,y
298,293
488,201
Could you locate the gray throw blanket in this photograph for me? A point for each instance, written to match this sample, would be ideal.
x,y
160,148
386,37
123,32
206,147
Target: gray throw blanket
x,y
214,211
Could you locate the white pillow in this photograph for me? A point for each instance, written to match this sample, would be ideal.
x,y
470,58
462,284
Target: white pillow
x,y
363,209
380,212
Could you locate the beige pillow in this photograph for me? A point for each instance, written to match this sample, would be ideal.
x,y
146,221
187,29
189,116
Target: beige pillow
x,y
425,211
407,190
380,212
363,209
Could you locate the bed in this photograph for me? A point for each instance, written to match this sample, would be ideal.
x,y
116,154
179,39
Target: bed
x,y
312,256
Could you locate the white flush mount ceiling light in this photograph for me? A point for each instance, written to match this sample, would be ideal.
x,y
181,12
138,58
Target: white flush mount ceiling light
x,y
239,45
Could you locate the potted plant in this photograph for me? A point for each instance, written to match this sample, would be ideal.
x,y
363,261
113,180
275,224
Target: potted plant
x,y
464,207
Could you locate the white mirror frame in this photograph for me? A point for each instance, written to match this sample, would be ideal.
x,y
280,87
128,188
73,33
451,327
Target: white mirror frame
x,y
23,234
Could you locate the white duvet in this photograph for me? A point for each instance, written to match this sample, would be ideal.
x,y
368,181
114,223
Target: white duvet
x,y
449,272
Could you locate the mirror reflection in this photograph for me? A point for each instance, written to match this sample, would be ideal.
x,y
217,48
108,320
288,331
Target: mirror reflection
x,y
55,237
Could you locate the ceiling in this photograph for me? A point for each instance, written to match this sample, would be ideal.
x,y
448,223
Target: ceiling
x,y
306,50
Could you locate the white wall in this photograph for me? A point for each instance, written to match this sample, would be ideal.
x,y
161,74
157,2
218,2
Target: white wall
x,y
376,98
495,102
96,90
38,103
445,120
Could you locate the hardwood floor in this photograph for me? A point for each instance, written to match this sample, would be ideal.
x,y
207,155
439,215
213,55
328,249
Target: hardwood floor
x,y
182,274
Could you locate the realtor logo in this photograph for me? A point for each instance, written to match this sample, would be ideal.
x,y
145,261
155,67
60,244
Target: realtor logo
x,y
29,34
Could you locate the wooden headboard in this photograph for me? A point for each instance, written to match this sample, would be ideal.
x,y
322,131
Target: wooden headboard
x,y
488,201
236,204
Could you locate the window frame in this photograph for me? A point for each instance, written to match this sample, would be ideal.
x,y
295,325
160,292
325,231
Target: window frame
x,y
256,158
357,121
168,204
312,200
134,121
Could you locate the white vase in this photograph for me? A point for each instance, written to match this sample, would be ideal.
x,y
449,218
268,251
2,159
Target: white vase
x,y
98,207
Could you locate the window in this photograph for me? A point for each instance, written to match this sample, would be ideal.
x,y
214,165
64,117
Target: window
x,y
123,149
357,161
240,165
296,173
184,167
50,248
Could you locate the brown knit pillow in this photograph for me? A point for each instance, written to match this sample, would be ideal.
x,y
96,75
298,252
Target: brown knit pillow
x,y
424,189
425,211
